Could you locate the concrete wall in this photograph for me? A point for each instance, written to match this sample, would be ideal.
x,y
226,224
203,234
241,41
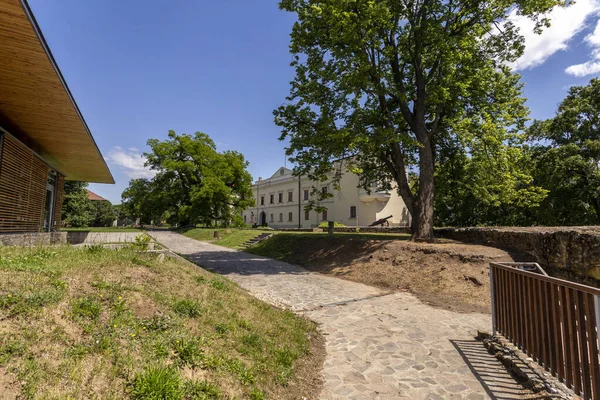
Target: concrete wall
x,y
33,239
571,250
102,237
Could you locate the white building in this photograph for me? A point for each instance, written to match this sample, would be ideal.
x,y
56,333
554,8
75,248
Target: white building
x,y
280,202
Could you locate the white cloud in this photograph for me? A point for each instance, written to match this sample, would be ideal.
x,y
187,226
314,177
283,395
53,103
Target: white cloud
x,y
566,23
130,162
593,66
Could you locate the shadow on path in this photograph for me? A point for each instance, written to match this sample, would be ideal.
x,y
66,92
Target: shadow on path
x,y
492,375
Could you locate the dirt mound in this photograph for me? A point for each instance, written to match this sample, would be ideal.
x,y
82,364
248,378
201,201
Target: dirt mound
x,y
445,274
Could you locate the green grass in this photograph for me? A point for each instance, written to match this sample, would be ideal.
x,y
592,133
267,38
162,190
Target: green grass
x,y
110,324
232,238
292,247
100,229
235,238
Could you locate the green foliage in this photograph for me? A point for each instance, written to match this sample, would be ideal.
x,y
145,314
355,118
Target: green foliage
x,y
194,183
201,390
384,86
326,224
76,208
102,213
86,307
565,159
187,307
142,241
157,383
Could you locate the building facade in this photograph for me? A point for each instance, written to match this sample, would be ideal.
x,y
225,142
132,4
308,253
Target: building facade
x,y
282,198
44,139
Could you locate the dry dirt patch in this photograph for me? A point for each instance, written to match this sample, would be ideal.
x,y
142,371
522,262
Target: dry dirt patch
x,y
445,274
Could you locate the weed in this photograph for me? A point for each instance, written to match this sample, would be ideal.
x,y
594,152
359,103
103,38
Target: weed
x,y
200,390
187,307
257,395
237,367
252,340
95,249
10,347
141,242
187,351
221,329
157,383
158,322
86,307
219,284
200,279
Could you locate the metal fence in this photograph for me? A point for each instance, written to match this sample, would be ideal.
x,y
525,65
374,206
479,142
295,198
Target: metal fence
x,y
553,321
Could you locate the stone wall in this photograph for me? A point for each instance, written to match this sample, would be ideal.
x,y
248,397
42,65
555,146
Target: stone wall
x,y
572,251
33,239
371,229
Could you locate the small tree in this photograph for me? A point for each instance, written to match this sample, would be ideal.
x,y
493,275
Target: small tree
x,y
102,213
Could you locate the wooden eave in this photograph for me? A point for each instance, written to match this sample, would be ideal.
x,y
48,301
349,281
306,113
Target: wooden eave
x,y
36,106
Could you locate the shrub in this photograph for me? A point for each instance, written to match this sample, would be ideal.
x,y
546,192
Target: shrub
x,y
157,383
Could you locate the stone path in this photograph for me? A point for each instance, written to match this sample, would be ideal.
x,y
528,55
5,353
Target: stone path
x,y
379,345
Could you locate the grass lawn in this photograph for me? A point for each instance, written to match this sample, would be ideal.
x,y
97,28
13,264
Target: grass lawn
x,y
98,323
235,238
100,229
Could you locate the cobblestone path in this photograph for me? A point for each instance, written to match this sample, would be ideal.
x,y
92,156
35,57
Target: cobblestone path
x,y
379,345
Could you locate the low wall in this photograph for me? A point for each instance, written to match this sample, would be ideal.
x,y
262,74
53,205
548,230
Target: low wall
x,y
101,237
33,239
572,250
371,229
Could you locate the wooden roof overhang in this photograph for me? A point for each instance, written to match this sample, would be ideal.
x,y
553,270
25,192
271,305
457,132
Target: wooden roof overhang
x,y
36,105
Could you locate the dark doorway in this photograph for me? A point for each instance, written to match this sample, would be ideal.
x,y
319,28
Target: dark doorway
x,y
263,219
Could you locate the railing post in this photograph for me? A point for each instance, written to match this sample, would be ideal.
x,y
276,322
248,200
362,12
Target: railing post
x,y
597,308
493,300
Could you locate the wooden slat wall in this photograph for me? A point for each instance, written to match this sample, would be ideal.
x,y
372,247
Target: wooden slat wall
x,y
553,321
58,201
23,179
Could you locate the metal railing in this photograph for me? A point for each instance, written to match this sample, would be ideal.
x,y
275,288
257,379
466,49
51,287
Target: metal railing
x,y
553,321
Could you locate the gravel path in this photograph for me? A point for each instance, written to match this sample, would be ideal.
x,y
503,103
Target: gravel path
x,y
379,345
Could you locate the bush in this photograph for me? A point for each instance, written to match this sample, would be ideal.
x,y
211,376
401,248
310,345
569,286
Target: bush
x,y
157,383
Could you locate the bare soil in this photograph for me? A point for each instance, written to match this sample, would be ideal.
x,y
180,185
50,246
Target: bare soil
x,y
444,274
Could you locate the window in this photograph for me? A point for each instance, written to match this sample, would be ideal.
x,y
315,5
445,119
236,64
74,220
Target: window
x,y
324,190
325,215
244,219
272,199
281,197
280,217
305,194
306,215
352,211
251,217
262,200
291,195
290,217
272,219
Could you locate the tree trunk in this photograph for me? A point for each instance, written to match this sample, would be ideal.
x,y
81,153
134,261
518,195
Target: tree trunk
x,y
422,219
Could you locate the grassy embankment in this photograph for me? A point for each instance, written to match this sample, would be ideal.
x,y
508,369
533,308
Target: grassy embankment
x,y
96,323
235,238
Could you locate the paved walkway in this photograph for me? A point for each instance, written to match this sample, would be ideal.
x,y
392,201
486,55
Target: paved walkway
x,y
379,345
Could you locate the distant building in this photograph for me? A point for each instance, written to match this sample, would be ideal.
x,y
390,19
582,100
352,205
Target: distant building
x,y
94,197
280,202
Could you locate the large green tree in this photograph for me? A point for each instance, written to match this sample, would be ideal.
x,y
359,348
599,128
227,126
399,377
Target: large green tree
x,y
194,182
566,157
386,84
76,208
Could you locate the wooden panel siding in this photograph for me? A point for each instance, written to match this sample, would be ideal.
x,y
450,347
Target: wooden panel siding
x,y
23,179
36,104
553,321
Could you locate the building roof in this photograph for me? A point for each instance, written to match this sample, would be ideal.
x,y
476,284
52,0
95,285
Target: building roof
x,y
94,197
36,106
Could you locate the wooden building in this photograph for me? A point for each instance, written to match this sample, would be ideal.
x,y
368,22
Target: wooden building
x,y
44,139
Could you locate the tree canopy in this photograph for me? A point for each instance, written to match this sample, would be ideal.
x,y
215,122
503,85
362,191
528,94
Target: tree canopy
x,y
194,183
394,86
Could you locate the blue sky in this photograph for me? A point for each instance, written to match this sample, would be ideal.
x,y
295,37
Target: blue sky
x,y
139,68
